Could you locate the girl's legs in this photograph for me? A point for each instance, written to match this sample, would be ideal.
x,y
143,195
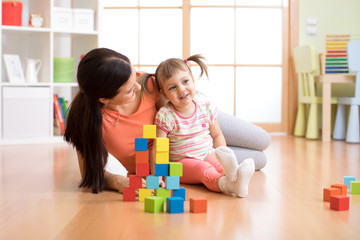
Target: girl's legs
x,y
228,160
196,171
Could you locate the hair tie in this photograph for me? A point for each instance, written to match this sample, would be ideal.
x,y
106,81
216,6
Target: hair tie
x,y
153,75
185,60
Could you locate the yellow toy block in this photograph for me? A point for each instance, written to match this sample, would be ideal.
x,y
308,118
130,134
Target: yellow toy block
x,y
162,144
162,157
144,193
149,131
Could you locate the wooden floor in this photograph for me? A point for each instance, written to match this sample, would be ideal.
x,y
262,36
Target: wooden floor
x,y
40,199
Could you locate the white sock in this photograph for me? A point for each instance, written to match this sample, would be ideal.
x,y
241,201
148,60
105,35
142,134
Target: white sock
x,y
227,158
244,173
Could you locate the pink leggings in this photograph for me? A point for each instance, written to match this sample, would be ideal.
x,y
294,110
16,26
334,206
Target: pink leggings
x,y
206,172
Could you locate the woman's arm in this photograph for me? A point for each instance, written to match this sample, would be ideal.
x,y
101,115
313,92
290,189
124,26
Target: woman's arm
x,y
217,135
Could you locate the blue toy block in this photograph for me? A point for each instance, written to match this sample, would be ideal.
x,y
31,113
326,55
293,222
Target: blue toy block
x,y
347,180
172,182
141,144
174,205
162,170
152,182
179,193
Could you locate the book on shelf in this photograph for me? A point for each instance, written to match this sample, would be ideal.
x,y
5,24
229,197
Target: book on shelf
x,y
60,113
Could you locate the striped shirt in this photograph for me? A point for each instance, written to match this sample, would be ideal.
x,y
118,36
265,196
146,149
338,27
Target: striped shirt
x,y
189,137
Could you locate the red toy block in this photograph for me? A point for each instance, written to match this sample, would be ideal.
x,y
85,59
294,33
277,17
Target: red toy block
x,y
128,194
342,187
142,169
339,202
142,156
330,192
135,181
198,205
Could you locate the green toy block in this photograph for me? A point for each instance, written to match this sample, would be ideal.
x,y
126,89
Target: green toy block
x,y
144,193
162,192
355,187
154,204
149,131
162,144
175,169
162,157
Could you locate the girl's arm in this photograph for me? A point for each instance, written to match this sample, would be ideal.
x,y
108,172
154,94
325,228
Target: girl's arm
x,y
217,135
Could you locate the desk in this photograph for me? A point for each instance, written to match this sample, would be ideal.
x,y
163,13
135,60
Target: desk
x,y
327,80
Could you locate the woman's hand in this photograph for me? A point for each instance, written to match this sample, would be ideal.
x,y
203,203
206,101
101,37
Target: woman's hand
x,y
161,182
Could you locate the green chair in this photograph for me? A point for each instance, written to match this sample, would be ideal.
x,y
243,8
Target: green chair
x,y
307,119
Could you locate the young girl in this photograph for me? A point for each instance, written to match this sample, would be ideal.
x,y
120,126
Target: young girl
x,y
194,133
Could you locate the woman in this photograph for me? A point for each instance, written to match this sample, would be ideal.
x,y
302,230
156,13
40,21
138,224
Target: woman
x,y
110,110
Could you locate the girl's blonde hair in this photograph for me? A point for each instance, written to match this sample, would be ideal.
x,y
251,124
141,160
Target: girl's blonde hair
x,y
169,67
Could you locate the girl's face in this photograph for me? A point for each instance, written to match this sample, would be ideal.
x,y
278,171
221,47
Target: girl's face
x,y
179,89
126,93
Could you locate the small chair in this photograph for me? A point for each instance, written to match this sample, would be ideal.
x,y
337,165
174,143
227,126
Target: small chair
x,y
307,119
353,131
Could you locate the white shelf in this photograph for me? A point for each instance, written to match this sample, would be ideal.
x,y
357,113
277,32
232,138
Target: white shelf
x,y
44,43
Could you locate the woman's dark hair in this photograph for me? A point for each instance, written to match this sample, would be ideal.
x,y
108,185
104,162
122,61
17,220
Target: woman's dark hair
x,y
101,72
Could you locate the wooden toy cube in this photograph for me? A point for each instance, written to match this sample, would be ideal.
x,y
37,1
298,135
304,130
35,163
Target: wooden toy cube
x,y
162,170
339,202
355,187
141,156
152,182
154,204
347,180
330,192
135,181
162,144
172,182
144,193
198,205
142,169
162,157
342,187
175,169
141,144
179,193
162,192
174,205
149,131
128,194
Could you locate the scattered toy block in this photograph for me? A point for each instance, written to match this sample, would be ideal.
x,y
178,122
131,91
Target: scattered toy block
x,y
347,180
162,145
161,170
179,193
135,181
128,194
330,192
339,202
162,157
342,187
141,144
172,182
174,205
144,193
154,204
149,131
355,187
152,182
162,192
175,169
141,156
198,205
142,169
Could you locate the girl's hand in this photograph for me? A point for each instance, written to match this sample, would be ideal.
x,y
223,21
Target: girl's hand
x,y
161,182
143,186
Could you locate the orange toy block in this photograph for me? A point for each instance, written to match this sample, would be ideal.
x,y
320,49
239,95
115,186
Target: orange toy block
x,y
198,205
128,194
142,169
342,187
142,156
330,192
339,202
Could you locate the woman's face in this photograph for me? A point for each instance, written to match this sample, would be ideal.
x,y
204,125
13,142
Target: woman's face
x,y
126,93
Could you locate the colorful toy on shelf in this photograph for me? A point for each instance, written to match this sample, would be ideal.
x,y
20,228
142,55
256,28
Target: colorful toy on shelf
x,y
335,54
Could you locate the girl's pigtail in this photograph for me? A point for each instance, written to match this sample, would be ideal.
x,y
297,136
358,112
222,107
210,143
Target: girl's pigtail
x,y
143,80
199,60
